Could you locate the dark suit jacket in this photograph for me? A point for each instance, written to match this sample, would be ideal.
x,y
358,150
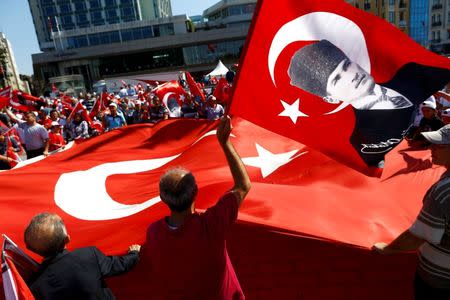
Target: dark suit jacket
x,y
79,274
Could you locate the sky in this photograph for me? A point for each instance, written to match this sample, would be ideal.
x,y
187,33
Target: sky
x,y
16,23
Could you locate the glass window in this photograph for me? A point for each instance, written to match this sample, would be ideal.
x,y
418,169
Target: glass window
x,y
234,10
127,12
81,18
111,13
95,4
392,17
248,9
94,39
126,2
96,15
46,2
66,19
127,35
147,32
110,2
65,8
156,32
79,6
391,2
166,29
50,10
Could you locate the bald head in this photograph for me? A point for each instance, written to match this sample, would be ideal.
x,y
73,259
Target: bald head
x,y
46,234
177,188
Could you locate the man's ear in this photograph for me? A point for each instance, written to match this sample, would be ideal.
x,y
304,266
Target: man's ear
x,y
67,239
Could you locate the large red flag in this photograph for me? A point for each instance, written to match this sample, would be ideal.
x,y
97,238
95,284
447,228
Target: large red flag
x,y
336,78
23,101
110,185
196,92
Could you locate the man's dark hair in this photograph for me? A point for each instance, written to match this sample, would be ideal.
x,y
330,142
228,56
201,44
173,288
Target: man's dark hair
x,y
178,189
29,113
46,234
312,65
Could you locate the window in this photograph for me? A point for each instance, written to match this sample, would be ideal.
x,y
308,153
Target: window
x,y
110,3
126,2
127,12
77,42
401,16
50,10
79,6
234,10
392,17
111,13
96,17
66,20
366,4
248,9
65,8
391,2
95,4
81,18
127,35
104,38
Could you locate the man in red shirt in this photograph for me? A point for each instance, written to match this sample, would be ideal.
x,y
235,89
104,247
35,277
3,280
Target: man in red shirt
x,y
185,253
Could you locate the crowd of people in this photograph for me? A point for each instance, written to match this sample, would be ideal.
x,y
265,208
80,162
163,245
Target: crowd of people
x,y
55,121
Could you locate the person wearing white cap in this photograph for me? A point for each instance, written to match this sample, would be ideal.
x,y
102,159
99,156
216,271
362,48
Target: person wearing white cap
x,y
445,115
430,233
429,122
55,137
114,119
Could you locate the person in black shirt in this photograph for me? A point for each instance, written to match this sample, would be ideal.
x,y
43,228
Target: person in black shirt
x,y
79,274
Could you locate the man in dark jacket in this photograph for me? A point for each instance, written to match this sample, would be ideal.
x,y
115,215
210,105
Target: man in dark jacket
x,y
68,275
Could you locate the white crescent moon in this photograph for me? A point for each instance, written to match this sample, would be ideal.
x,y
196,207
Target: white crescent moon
x,y
83,194
165,99
340,31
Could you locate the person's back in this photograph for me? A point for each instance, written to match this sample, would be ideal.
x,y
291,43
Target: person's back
x,y
192,261
185,254
79,274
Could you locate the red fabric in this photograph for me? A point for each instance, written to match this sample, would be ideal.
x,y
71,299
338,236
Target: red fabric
x,y
257,97
166,90
223,91
4,101
203,268
311,194
5,92
77,108
23,292
56,141
194,88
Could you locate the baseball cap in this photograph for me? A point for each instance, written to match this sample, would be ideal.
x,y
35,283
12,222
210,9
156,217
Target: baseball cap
x,y
429,104
54,123
446,113
113,104
440,137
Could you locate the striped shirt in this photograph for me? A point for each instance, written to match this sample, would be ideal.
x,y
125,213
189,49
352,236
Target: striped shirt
x,y
433,225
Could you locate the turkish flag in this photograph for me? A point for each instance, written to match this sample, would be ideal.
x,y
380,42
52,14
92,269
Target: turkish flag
x,y
106,189
5,92
196,92
336,78
23,101
172,95
223,91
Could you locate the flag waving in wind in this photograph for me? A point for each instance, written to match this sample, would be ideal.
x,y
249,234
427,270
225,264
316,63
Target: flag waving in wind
x,y
335,78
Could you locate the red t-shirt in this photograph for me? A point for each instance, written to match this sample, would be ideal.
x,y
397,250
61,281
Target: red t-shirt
x,y
55,139
191,262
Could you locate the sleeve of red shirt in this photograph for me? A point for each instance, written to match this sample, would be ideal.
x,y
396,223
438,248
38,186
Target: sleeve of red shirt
x,y
221,216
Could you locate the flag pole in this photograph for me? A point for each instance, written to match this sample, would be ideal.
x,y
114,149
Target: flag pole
x,y
59,33
51,32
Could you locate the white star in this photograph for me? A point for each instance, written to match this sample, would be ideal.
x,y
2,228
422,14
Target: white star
x,y
269,162
292,111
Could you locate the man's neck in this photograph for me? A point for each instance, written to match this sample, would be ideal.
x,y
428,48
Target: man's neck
x,y
176,219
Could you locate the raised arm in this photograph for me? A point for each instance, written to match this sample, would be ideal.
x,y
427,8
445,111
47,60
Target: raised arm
x,y
11,115
240,176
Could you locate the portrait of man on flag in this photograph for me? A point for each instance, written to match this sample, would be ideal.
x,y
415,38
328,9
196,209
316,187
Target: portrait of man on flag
x,y
382,114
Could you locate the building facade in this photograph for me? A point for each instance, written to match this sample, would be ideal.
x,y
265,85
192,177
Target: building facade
x,y
439,31
150,46
53,19
396,12
9,74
